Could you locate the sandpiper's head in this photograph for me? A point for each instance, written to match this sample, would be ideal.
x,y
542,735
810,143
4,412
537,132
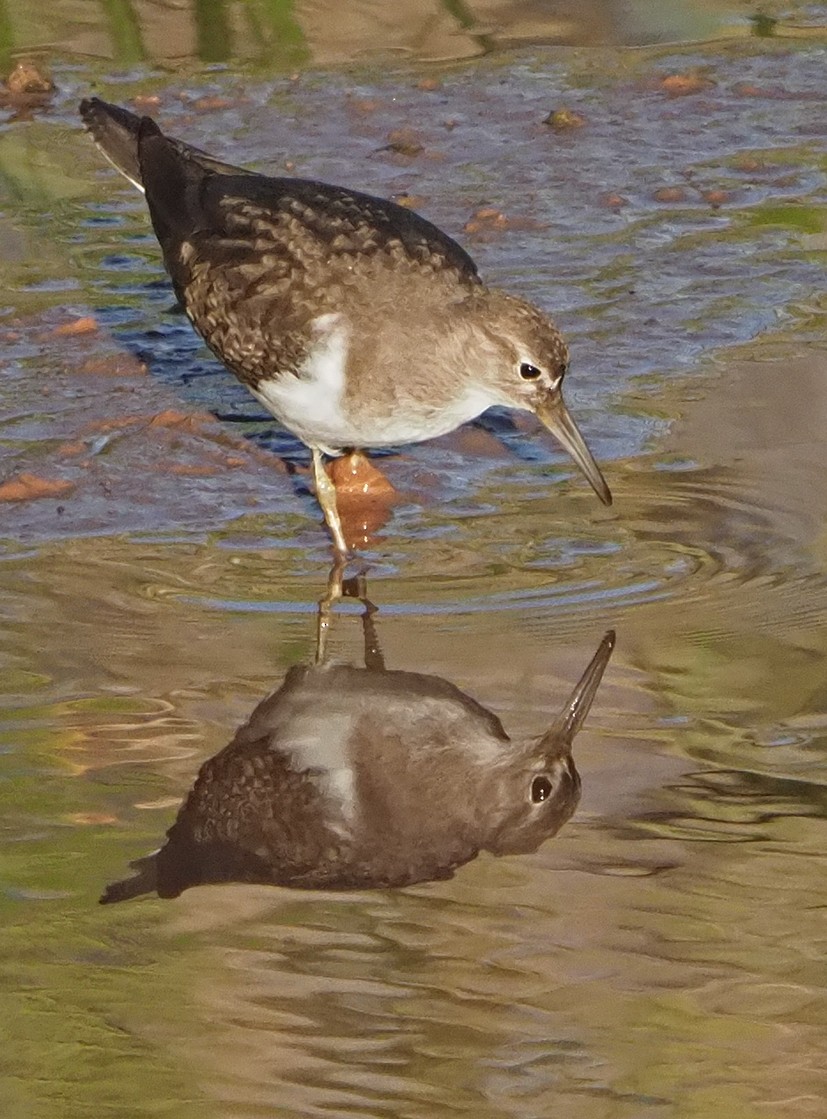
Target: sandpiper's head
x,y
541,787
527,360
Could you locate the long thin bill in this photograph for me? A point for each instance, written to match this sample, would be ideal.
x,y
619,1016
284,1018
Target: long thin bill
x,y
553,414
572,717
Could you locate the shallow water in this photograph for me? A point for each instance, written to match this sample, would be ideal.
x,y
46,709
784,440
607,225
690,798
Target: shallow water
x,y
663,955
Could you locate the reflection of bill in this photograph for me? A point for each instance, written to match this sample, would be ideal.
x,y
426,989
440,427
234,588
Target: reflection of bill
x,y
352,777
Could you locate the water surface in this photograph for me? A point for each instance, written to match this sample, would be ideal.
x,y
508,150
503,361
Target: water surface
x,y
663,955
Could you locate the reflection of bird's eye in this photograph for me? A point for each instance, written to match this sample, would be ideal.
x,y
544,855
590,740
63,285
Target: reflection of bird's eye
x,y
540,788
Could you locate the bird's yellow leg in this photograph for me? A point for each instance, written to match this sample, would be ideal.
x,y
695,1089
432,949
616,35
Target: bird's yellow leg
x,y
326,604
338,588
326,496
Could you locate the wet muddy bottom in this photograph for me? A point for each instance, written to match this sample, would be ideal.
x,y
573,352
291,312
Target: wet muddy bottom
x,y
162,556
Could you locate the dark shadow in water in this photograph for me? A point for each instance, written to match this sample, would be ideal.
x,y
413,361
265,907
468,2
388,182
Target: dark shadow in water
x,y
351,777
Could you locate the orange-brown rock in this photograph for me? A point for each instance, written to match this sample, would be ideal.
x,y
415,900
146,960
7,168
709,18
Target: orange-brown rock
x,y
565,120
365,497
670,194
404,141
86,325
354,475
682,85
26,77
30,487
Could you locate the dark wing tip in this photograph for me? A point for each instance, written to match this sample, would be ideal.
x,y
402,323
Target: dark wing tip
x,y
144,882
148,127
115,131
94,112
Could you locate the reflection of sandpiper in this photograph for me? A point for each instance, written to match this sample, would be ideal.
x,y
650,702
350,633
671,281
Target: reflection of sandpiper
x,y
352,777
354,321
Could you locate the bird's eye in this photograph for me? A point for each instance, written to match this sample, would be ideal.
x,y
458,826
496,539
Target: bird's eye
x,y
530,372
541,788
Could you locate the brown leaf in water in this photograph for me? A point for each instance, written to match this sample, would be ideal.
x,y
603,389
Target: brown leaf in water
x,y
87,325
490,220
363,104
211,104
120,364
29,487
564,120
472,440
191,470
486,218
404,141
614,201
72,449
682,85
670,194
409,201
171,417
716,198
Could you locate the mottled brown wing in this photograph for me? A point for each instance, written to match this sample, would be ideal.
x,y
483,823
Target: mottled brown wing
x,y
342,221
246,252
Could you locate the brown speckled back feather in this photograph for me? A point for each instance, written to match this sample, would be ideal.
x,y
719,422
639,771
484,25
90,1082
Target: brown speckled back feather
x,y
247,253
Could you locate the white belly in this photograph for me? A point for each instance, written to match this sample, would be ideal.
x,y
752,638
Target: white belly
x,y
310,403
315,406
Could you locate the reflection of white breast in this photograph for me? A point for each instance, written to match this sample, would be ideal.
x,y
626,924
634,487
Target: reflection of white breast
x,y
322,744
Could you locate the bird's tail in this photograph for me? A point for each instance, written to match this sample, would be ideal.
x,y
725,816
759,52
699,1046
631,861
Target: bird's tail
x,y
144,882
116,132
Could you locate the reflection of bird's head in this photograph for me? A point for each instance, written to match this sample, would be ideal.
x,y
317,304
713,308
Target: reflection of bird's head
x,y
349,777
534,797
540,788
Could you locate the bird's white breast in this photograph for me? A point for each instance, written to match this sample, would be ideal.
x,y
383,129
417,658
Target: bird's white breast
x,y
314,403
311,402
